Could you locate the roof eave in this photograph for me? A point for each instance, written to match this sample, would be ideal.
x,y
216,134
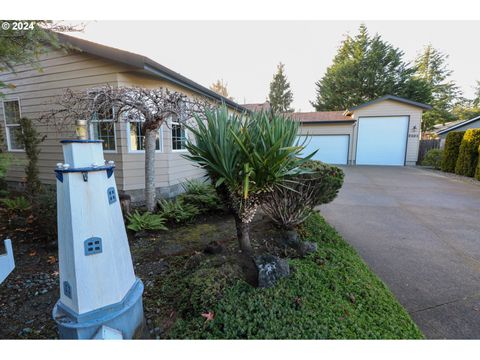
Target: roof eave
x,y
393,98
456,126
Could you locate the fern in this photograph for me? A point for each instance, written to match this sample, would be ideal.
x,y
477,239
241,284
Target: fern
x,y
146,221
178,211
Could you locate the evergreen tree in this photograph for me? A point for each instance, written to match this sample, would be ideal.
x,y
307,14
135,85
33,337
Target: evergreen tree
x,y
221,88
365,68
280,96
31,139
26,45
431,67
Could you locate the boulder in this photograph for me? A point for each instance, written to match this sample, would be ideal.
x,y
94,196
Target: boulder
x,y
214,247
271,269
290,239
307,247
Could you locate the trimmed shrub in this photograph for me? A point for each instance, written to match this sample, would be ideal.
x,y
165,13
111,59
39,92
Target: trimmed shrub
x,y
433,158
477,172
31,139
468,154
450,153
290,205
327,177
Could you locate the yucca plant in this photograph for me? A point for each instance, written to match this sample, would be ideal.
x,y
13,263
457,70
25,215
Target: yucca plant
x,y
246,157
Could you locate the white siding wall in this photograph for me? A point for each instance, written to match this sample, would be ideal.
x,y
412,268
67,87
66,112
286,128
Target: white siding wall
x,y
329,129
394,108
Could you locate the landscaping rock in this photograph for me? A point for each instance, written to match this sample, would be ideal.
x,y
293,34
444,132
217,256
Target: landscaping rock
x,y
213,248
291,239
271,269
307,247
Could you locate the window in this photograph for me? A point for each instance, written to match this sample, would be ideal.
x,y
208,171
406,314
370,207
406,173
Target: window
x,y
11,115
179,137
102,127
137,138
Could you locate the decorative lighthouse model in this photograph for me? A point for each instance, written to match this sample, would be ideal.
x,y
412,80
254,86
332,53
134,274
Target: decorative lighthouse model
x,y
100,297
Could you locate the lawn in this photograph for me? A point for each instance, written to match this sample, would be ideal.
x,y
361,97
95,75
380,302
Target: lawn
x,y
331,294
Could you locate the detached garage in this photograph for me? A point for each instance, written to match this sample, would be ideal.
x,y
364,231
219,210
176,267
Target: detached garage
x,y
385,131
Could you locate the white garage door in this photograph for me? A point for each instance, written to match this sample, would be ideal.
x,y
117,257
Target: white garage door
x,y
332,149
382,140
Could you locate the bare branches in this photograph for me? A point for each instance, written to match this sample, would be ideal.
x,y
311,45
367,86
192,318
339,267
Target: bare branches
x,y
151,106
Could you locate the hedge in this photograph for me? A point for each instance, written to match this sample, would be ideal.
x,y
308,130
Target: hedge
x,y
452,147
477,172
433,158
468,154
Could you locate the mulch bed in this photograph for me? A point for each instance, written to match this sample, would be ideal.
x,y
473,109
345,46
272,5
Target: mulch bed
x,y
29,293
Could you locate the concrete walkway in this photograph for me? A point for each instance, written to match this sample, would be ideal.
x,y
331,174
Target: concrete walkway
x,y
419,231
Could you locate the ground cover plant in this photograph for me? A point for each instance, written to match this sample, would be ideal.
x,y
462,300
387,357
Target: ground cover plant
x,y
331,294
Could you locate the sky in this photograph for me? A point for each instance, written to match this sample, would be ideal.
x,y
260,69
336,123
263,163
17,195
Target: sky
x,y
245,54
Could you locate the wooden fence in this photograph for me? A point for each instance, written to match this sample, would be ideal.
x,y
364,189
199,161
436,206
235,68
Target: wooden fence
x,y
426,145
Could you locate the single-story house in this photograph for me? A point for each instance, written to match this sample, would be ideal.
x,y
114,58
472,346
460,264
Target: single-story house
x,y
90,65
473,123
385,131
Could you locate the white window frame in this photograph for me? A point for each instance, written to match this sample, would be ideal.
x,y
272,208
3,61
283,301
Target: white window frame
x,y
112,120
7,126
129,145
171,136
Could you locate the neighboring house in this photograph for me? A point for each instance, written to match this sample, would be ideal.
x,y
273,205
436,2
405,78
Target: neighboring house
x,y
92,65
473,123
385,131
258,107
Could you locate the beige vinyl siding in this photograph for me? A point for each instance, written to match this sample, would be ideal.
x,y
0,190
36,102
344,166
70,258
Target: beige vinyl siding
x,y
329,129
37,91
394,108
171,167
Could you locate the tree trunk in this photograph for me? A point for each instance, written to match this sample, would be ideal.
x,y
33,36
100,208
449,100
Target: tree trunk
x,y
244,240
150,147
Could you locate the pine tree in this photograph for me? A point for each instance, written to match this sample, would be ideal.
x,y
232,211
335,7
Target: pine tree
x,y
280,96
365,68
431,66
220,88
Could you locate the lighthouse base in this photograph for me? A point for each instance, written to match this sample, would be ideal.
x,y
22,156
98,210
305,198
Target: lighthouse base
x,y
125,316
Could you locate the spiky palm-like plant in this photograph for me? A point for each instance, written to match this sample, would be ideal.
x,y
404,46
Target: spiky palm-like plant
x,y
246,157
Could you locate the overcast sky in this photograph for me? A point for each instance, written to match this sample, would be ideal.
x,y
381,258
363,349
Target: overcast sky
x,y
245,53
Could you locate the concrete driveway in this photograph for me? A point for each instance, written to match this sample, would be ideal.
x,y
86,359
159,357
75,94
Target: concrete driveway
x,y
419,231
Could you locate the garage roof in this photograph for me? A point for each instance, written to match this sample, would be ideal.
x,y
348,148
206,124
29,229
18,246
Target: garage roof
x,y
393,98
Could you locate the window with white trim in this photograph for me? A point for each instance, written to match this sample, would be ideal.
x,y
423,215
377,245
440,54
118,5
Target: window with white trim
x,y
137,138
12,115
102,127
179,136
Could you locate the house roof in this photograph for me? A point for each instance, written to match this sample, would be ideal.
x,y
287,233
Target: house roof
x,y
393,98
460,124
321,116
144,64
257,107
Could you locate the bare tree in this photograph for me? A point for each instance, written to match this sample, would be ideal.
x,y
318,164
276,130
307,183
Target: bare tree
x,y
153,107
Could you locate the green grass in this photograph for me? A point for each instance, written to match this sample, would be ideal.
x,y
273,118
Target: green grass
x,y
331,294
